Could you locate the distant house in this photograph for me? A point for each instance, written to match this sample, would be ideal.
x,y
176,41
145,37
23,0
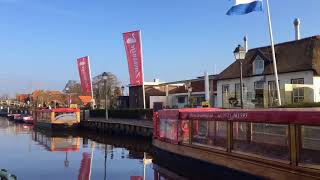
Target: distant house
x,y
23,98
173,94
151,89
46,97
180,91
299,75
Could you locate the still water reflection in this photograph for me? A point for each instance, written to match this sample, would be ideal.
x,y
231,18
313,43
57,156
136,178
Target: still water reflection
x,y
33,155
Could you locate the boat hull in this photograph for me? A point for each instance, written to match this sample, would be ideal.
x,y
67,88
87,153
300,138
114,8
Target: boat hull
x,y
193,168
56,127
28,121
255,168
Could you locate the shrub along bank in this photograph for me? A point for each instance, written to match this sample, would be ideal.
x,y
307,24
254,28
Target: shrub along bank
x,y
145,114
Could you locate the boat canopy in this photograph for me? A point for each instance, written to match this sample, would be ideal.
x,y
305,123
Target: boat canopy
x,y
60,110
277,116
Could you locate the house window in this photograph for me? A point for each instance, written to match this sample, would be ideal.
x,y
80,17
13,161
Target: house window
x,y
225,95
181,99
259,94
225,89
237,90
258,85
272,92
297,93
258,65
297,81
199,100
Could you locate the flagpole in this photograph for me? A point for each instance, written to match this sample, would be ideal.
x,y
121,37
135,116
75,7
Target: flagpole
x,y
92,98
273,55
142,70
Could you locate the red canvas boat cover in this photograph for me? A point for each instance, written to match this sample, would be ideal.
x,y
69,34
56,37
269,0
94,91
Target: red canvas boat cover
x,y
61,110
310,116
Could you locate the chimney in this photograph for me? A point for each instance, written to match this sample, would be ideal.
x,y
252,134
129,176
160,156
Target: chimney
x,y
206,86
297,28
245,39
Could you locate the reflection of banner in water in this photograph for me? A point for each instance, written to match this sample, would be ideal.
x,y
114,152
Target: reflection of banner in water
x,y
136,178
85,167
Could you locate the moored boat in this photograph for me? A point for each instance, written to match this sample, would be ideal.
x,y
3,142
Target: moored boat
x,y
57,119
3,113
271,143
18,118
28,119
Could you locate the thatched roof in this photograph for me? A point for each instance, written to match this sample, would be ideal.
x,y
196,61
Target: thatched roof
x,y
293,56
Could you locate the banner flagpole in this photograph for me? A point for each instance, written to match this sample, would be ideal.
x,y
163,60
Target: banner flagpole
x,y
92,98
273,54
142,69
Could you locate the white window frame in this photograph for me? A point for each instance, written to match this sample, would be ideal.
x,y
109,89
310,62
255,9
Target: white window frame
x,y
225,92
297,93
256,62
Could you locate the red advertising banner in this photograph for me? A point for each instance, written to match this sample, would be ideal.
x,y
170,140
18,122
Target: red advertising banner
x,y
132,43
85,75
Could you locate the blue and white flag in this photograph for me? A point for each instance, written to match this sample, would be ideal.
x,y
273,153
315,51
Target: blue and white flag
x,y
245,6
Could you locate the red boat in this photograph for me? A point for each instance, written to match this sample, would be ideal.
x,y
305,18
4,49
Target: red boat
x,y
18,118
28,119
272,143
57,119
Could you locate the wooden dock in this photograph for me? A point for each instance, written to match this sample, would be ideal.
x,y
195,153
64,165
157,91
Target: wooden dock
x,y
132,127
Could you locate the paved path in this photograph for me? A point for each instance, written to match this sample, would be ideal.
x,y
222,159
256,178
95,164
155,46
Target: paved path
x,y
134,122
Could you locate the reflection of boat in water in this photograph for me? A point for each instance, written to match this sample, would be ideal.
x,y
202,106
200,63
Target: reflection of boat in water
x,y
10,126
64,144
57,144
57,119
133,144
4,124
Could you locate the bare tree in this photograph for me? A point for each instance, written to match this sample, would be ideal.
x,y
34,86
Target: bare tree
x,y
112,90
72,86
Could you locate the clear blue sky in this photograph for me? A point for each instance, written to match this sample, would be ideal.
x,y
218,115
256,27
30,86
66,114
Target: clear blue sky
x,y
41,39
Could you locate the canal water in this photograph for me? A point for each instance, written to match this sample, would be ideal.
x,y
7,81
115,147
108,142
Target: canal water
x,y
33,155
